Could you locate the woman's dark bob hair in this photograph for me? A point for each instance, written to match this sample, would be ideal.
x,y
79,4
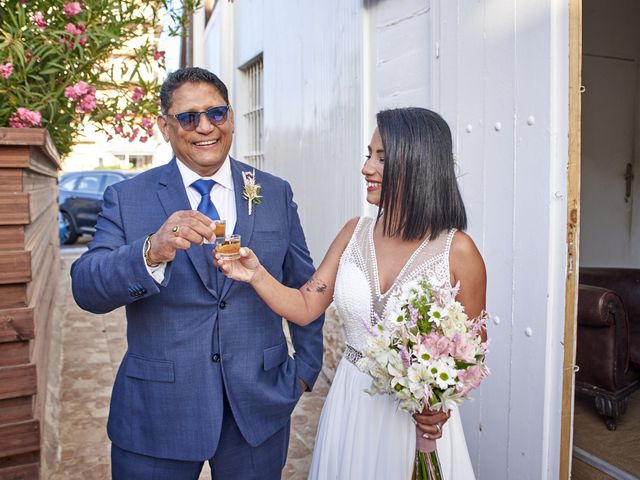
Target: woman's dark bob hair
x,y
420,194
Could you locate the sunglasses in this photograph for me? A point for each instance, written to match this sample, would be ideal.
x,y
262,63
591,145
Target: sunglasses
x,y
189,121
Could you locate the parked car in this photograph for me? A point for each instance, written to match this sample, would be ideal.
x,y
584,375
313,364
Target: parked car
x,y
80,200
62,228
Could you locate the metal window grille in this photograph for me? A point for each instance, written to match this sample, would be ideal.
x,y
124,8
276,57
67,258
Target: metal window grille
x,y
254,114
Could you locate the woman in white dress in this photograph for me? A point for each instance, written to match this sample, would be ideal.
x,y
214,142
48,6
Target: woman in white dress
x,y
410,176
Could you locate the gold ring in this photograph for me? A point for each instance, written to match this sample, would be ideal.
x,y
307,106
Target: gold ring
x,y
176,230
439,428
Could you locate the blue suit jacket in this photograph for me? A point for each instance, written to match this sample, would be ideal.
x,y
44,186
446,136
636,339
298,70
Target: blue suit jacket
x,y
167,399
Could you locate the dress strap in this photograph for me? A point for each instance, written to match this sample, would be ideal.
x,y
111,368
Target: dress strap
x,y
447,247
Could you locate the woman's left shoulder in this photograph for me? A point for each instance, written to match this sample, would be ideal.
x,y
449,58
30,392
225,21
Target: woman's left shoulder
x,y
464,252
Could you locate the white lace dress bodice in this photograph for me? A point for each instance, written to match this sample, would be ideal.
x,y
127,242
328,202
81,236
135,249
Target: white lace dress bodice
x,y
357,294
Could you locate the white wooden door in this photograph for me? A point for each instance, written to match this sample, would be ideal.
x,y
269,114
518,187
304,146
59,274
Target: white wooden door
x,y
608,126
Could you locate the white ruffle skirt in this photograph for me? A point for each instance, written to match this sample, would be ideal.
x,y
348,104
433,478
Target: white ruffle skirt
x,y
362,436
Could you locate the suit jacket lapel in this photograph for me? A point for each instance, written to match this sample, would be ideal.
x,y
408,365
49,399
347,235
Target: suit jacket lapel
x,y
173,197
244,221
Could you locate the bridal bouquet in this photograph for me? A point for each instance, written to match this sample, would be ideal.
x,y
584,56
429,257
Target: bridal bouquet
x,y
429,354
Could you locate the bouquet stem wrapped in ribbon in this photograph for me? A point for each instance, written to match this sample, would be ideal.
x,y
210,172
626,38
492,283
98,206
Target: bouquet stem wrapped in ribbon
x,y
427,353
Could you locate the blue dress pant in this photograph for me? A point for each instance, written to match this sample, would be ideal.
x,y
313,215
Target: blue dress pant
x,y
234,459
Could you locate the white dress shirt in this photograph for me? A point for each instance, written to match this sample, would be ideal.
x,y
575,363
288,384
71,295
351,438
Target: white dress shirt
x,y
222,195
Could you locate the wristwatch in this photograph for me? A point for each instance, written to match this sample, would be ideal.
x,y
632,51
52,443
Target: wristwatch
x,y
145,252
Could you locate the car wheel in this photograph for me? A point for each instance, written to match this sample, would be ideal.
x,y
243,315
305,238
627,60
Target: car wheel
x,y
70,234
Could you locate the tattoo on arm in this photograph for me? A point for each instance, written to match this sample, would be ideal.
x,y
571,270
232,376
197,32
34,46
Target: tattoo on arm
x,y
315,285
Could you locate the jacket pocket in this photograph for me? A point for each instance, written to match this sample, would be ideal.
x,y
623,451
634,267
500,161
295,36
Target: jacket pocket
x,y
274,356
146,369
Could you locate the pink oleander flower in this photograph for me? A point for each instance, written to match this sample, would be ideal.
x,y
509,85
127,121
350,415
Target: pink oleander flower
x,y
143,139
138,94
38,19
158,55
23,118
87,103
146,123
84,94
75,29
72,8
118,117
118,130
78,90
6,70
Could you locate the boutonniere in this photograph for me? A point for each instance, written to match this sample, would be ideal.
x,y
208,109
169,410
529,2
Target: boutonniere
x,y
251,190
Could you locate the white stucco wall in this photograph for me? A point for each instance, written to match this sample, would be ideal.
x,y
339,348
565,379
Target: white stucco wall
x,y
312,103
499,76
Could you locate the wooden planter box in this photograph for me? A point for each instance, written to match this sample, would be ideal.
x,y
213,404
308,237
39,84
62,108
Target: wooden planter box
x,y
29,266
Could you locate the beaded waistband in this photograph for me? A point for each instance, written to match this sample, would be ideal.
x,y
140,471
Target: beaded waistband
x,y
352,354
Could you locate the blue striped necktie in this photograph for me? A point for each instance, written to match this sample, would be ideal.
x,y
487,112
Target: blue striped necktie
x,y
206,205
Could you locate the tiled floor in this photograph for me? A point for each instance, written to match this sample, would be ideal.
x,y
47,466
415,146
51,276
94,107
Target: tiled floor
x,y
92,347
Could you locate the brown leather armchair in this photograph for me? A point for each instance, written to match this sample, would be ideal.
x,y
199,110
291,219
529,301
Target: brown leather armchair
x,y
608,343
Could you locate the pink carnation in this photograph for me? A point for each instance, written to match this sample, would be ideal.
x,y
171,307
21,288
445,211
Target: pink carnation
x,y
138,94
158,55
143,139
118,117
38,19
72,8
23,118
6,70
146,123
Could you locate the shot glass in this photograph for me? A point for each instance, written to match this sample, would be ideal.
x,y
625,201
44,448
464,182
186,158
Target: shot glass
x,y
220,228
229,247
218,232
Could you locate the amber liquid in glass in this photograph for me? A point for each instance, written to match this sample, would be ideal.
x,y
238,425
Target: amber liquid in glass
x,y
229,248
221,226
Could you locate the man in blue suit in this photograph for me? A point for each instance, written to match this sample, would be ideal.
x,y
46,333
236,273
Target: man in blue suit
x,y
207,375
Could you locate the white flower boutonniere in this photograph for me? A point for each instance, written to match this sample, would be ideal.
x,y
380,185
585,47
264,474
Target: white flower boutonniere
x,y
251,190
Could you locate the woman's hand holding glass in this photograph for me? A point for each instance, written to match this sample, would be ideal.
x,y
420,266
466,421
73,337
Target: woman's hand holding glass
x,y
244,269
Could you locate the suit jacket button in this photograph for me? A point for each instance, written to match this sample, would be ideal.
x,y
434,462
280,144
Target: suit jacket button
x,y
215,357
223,305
